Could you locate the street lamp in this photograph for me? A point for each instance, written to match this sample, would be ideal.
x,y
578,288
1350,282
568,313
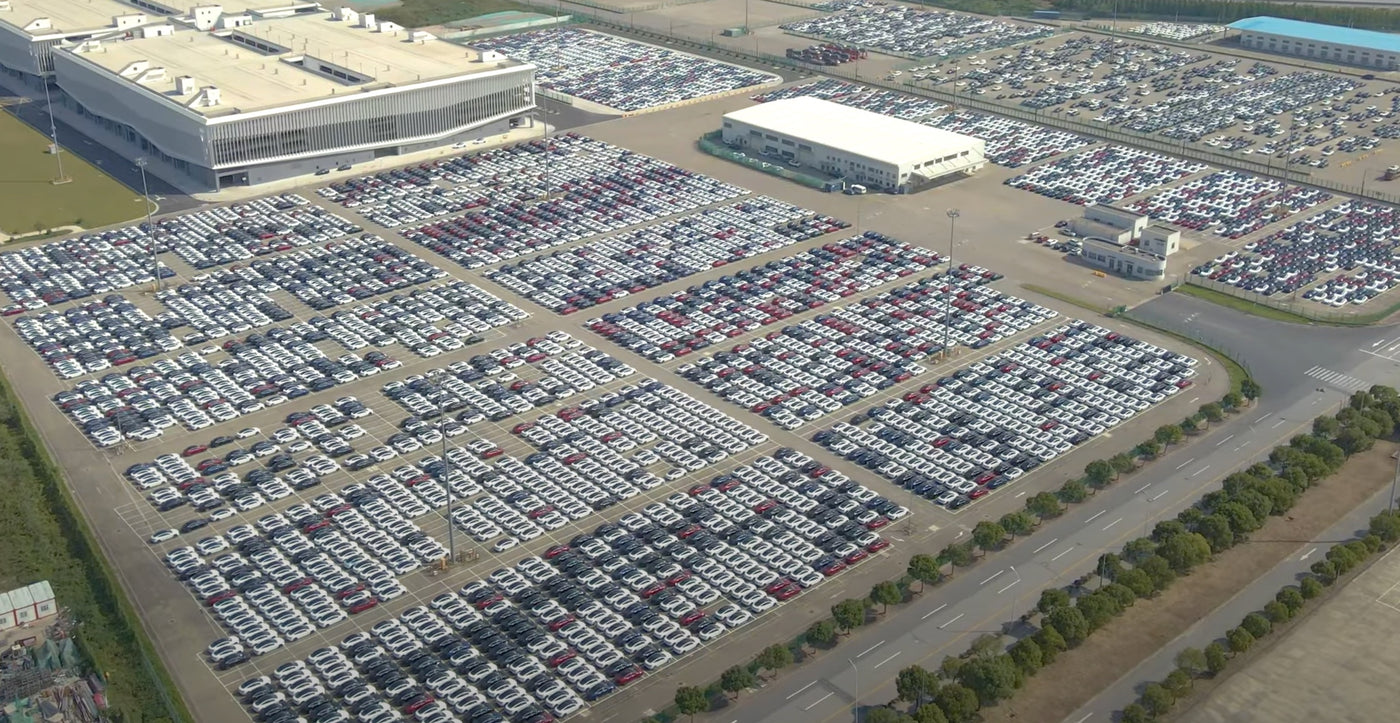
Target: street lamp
x,y
953,214
53,135
150,227
856,700
436,377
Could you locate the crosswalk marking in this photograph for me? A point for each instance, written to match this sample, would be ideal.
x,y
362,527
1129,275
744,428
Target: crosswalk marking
x,y
1338,379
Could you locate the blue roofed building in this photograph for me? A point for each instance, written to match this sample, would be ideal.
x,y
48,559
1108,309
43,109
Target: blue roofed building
x,y
1327,43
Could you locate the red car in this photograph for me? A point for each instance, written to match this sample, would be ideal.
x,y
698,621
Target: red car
x,y
194,449
361,607
555,551
694,616
420,703
628,676
559,659
856,556
787,592
877,545
561,623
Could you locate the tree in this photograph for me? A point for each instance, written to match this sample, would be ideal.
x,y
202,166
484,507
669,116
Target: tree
x,y
822,632
1027,655
691,700
930,714
925,569
881,714
1122,463
1353,440
1167,528
1134,713
1290,598
1325,571
1189,425
958,703
1326,426
1242,520
1159,570
1139,549
988,535
1097,609
1098,473
886,593
1191,660
1249,389
1184,552
1109,566
736,679
1216,659
1157,699
985,646
775,657
1177,682
1070,623
1217,531
1212,412
1121,594
950,666
1239,640
1051,598
1309,588
1017,523
1277,612
1148,449
1051,643
1167,434
957,555
1137,581
992,679
1045,506
1072,492
1257,625
1386,526
849,614
915,684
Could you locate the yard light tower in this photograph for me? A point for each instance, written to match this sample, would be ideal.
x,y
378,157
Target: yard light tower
x,y
150,227
53,136
953,214
436,377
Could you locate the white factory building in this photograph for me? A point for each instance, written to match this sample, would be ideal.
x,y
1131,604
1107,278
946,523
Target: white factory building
x,y
210,97
870,149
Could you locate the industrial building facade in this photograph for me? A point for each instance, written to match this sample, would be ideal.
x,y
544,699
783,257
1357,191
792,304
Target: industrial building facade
x,y
1365,48
213,99
870,149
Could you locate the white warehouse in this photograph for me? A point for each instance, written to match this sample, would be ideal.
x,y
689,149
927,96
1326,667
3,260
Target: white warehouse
x,y
870,149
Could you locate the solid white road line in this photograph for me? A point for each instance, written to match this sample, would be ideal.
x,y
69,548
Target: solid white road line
x,y
933,612
893,655
1096,516
950,622
817,702
994,576
1042,547
801,690
865,652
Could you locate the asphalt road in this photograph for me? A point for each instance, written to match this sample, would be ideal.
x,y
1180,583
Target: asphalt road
x,y
1291,362
1253,597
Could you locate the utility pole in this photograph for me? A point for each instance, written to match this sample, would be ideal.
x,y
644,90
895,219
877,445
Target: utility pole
x,y
436,377
953,214
150,227
53,136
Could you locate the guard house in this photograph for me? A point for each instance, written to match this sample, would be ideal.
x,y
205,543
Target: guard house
x,y
1129,261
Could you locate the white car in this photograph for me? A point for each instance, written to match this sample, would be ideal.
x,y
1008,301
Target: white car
x,y
164,536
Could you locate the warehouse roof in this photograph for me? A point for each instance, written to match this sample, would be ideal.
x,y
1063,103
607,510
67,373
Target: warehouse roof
x,y
861,132
1317,32
295,61
84,16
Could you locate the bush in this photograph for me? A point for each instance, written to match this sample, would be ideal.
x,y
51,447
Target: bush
x,y
1257,625
1216,660
822,632
1309,588
1239,640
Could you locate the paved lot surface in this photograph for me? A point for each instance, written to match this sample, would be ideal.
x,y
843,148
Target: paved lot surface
x,y
1337,665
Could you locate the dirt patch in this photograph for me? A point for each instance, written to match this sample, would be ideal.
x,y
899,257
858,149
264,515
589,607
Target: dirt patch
x,y
1080,674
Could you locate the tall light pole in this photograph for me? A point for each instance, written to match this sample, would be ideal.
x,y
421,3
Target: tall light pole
x,y
150,227
953,214
856,700
1393,480
436,377
53,135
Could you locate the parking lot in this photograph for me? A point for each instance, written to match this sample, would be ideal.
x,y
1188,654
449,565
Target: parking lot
x,y
369,378
916,33
619,74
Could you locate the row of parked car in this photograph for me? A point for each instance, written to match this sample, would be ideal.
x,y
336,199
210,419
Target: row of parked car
x,y
426,321
1356,238
634,261
1229,203
1106,174
621,74
875,100
559,190
820,365
910,32
956,439
94,336
1177,31
536,640
695,318
1010,143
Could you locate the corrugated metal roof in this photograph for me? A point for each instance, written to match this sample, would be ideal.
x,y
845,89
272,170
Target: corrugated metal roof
x,y
1317,32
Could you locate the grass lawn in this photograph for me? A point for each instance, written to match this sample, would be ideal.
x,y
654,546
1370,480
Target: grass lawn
x,y
29,202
